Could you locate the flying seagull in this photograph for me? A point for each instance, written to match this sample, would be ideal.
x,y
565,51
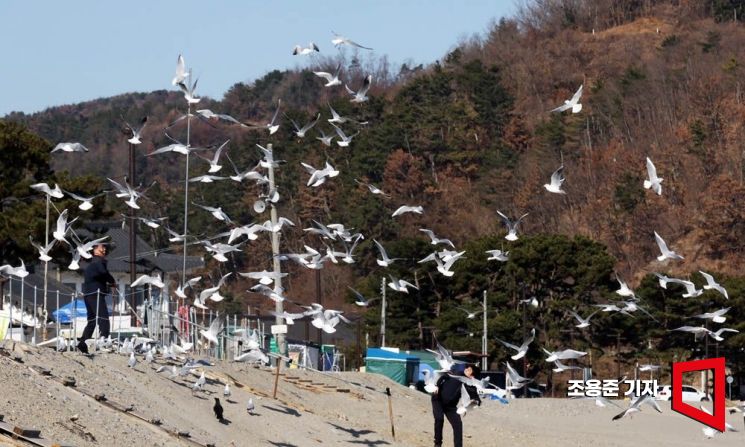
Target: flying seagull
x,y
666,252
331,79
498,255
557,178
408,209
522,349
571,103
583,322
511,226
339,40
70,147
712,284
136,132
85,202
55,192
653,181
373,189
181,72
298,50
361,94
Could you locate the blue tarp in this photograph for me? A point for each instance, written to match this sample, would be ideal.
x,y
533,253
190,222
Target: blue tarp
x,y
65,312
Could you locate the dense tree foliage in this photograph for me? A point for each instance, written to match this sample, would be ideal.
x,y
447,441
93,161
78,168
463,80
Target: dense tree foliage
x,y
464,137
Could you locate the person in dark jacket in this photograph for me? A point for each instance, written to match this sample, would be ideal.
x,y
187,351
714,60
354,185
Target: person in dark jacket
x,y
445,403
96,284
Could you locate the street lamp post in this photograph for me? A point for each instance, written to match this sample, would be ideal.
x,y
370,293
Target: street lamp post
x,y
484,338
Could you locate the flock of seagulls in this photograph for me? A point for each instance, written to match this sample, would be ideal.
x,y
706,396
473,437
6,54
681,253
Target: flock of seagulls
x,y
335,233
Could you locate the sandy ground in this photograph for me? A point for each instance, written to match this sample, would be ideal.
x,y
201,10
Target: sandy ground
x,y
301,416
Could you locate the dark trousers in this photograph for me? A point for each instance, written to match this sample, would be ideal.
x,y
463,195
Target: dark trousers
x,y
453,418
95,306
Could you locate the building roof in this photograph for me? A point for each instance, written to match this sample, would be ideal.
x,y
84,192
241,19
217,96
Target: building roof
x,y
147,259
33,284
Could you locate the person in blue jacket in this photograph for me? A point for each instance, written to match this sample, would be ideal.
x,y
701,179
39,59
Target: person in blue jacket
x,y
445,401
96,284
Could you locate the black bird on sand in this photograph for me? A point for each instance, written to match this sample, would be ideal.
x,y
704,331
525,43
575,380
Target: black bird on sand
x,y
218,409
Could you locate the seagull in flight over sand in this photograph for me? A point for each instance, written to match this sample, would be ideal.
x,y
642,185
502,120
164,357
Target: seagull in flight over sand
x,y
70,147
331,79
408,209
653,182
516,380
666,252
557,178
636,406
511,226
339,40
214,330
573,103
443,356
712,284
522,349
302,51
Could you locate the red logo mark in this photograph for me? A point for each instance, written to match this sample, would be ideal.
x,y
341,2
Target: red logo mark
x,y
716,420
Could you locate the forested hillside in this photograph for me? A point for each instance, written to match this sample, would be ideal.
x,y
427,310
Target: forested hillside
x,y
469,135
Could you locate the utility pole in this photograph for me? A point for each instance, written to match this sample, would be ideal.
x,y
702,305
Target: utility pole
x,y
706,356
484,339
279,306
319,300
132,242
186,185
618,353
382,312
46,271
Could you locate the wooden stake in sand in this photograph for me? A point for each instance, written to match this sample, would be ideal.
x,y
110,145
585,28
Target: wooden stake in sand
x,y
276,379
390,412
